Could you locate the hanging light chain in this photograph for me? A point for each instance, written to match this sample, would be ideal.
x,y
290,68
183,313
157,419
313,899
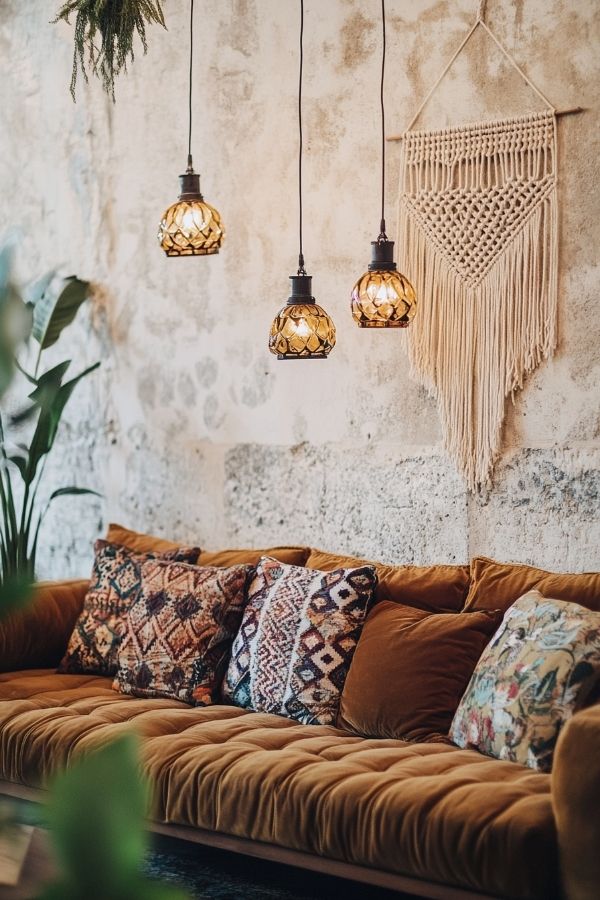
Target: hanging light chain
x,y
189,159
382,234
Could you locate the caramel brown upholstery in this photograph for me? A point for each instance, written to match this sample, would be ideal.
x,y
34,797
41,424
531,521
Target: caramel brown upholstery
x,y
410,670
138,541
37,635
496,585
576,798
294,556
427,810
432,588
146,543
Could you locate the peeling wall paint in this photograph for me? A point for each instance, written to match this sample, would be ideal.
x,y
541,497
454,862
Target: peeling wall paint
x,y
191,428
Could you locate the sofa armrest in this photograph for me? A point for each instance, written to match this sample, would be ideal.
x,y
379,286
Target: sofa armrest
x,y
576,801
36,637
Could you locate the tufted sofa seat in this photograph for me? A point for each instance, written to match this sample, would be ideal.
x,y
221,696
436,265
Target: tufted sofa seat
x,y
425,810
425,818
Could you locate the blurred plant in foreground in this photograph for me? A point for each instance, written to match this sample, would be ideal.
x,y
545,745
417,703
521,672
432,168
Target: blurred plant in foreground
x,y
97,815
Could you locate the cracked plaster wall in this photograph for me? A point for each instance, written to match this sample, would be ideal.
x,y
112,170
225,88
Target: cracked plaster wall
x,y
191,428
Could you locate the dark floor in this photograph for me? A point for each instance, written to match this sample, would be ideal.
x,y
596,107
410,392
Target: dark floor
x,y
218,875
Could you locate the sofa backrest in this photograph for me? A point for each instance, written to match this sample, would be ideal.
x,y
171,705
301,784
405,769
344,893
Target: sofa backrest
x,y
432,588
147,543
496,585
36,636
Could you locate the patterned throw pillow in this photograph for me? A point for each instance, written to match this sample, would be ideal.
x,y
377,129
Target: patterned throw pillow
x,y
94,644
297,638
180,630
542,665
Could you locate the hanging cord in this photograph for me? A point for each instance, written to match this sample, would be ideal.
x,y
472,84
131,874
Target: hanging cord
x,y
301,269
382,234
189,161
508,56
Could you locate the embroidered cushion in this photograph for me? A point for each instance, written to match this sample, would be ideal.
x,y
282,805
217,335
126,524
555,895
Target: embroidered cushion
x,y
179,631
542,665
297,638
115,582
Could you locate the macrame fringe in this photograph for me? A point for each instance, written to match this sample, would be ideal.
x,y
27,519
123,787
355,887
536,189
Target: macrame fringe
x,y
475,339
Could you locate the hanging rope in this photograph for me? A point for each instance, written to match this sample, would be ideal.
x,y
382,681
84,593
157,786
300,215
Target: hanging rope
x,y
478,22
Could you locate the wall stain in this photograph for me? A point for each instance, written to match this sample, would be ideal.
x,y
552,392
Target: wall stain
x,y
357,39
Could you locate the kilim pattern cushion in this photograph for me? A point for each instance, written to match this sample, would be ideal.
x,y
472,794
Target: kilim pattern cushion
x,y
180,630
94,644
297,638
541,666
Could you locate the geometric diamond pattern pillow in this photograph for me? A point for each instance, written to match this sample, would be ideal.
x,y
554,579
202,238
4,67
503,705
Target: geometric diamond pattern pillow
x,y
297,638
179,631
541,666
94,644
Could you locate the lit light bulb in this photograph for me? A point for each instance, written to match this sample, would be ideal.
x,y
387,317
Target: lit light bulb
x,y
191,226
302,329
383,297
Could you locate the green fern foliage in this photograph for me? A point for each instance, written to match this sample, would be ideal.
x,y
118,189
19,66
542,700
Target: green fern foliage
x,y
104,35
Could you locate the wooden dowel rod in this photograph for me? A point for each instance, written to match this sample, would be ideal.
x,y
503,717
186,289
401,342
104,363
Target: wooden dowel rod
x,y
571,111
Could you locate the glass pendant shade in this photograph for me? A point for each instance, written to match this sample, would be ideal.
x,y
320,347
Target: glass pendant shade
x,y
383,297
191,227
302,329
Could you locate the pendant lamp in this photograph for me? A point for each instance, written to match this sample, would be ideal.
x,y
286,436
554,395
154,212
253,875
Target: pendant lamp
x,y
301,329
383,297
191,226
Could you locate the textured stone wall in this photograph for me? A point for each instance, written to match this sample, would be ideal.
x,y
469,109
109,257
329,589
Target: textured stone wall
x,y
191,428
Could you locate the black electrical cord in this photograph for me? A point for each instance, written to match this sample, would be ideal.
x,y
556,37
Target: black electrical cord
x,y
382,234
301,269
190,87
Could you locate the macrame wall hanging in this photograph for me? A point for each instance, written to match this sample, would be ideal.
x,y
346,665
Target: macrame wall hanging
x,y
477,234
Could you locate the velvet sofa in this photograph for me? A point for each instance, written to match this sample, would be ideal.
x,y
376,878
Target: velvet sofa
x,y
422,816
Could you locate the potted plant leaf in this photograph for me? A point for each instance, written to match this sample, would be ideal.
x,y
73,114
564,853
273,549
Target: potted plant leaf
x,y
52,304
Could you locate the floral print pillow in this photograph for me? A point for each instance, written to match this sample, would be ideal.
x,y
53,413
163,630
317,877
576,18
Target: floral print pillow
x,y
542,665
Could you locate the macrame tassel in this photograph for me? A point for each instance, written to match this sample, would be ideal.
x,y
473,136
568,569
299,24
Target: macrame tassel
x,y
478,239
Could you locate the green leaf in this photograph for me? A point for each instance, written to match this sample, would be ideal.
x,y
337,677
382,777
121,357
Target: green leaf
x,y
72,491
29,377
51,377
15,319
48,384
96,815
15,593
21,463
55,309
6,260
55,398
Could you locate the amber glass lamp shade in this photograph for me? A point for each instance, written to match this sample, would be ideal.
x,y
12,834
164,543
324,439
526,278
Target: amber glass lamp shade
x,y
383,297
191,227
302,329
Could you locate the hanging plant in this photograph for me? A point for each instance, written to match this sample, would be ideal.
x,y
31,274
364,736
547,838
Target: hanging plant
x,y
104,35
